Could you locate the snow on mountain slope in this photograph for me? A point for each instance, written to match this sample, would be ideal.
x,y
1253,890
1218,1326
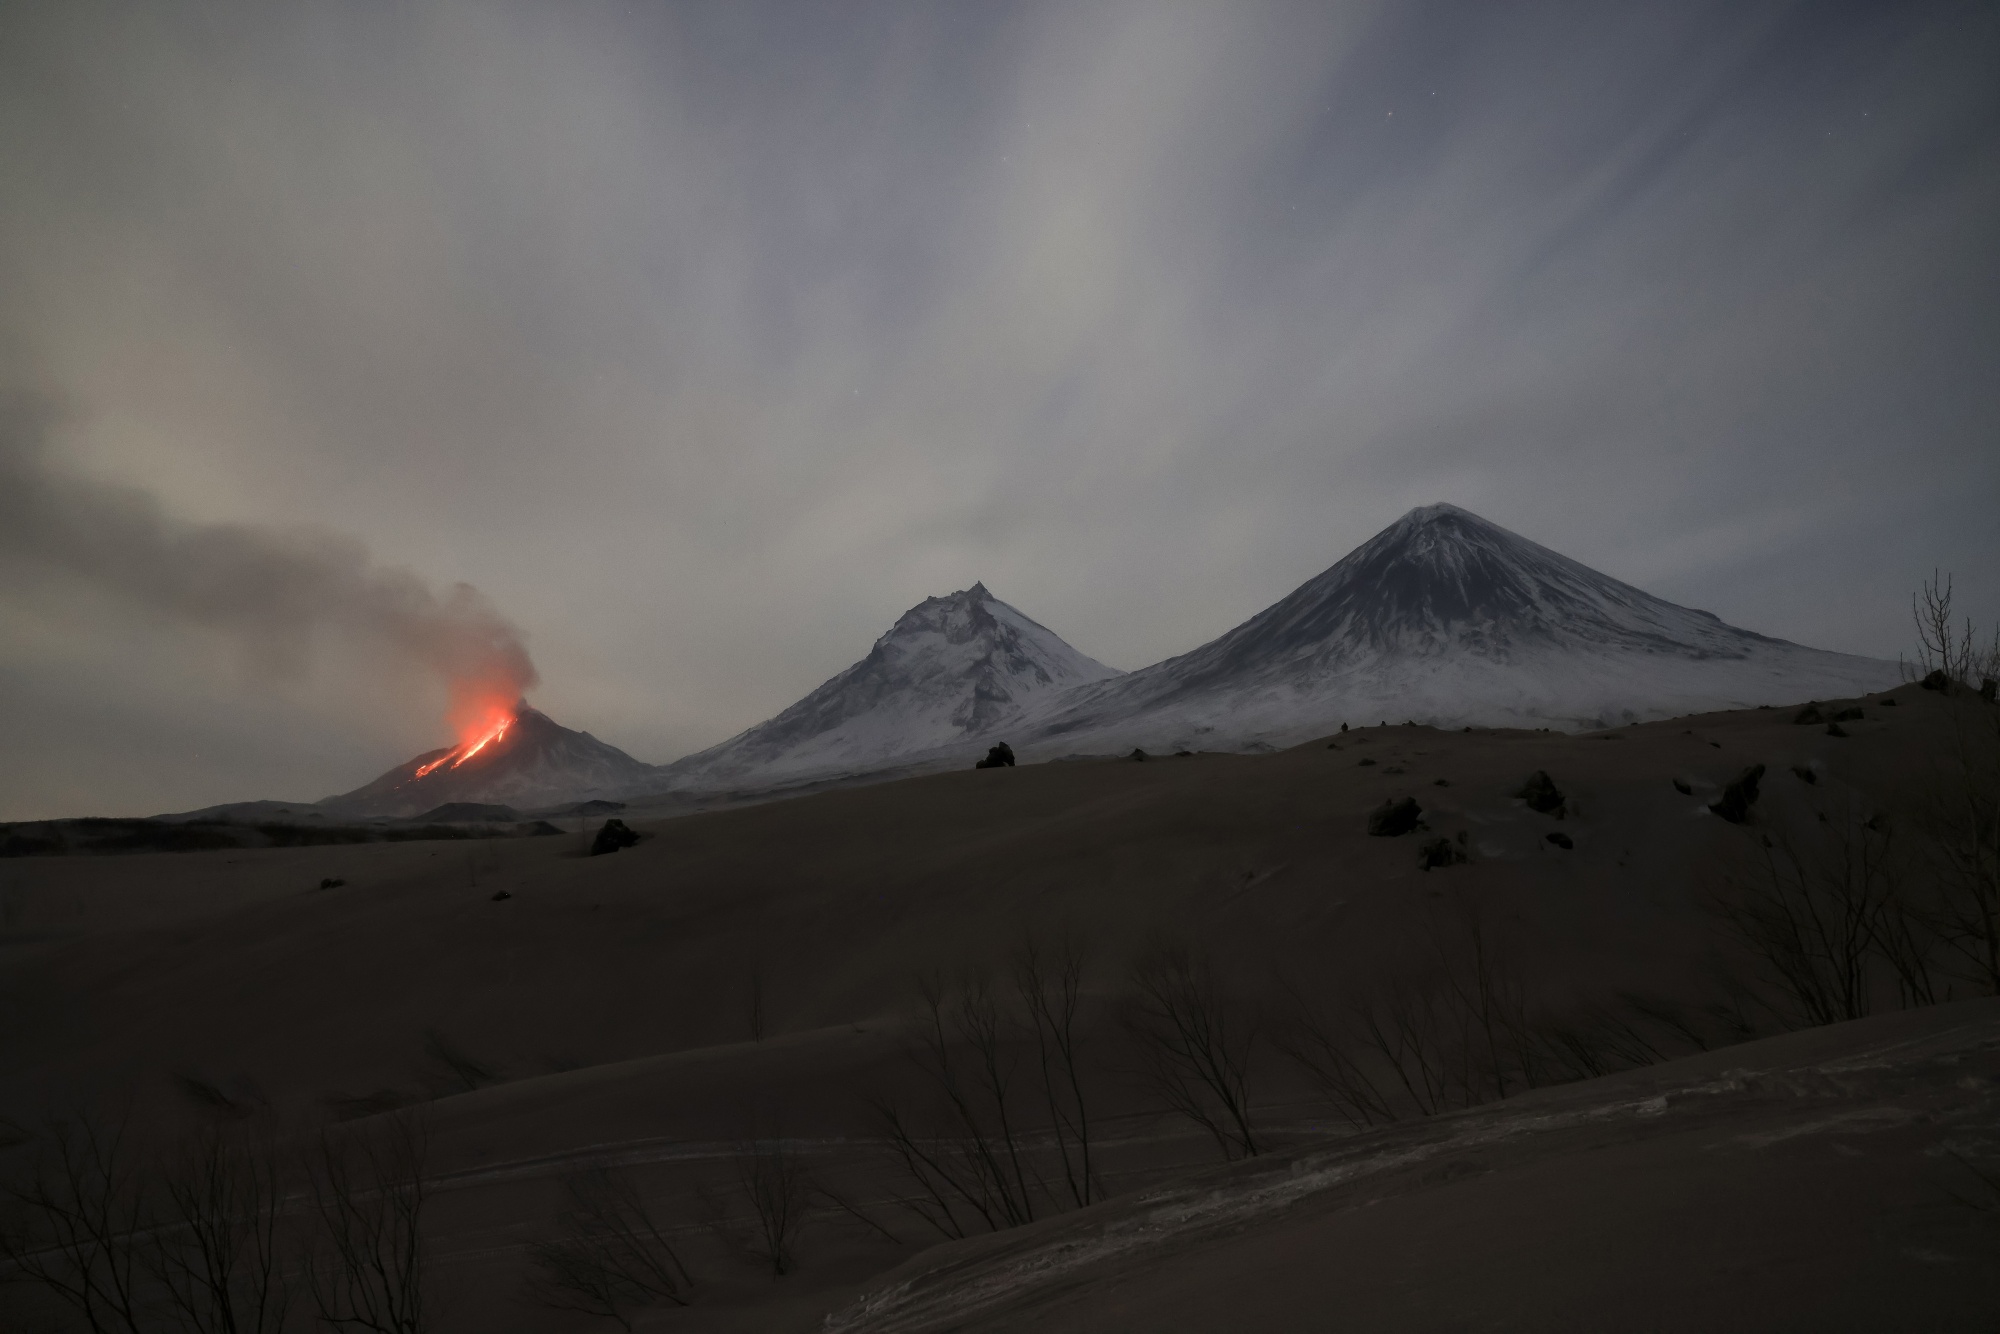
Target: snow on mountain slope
x,y
953,668
537,762
1446,618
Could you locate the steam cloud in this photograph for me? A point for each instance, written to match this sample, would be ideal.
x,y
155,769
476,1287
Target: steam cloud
x,y
271,590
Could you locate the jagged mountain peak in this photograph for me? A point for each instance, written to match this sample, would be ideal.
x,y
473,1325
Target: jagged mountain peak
x,y
953,667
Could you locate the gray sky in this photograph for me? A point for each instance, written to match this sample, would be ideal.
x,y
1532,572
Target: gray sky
x,y
704,340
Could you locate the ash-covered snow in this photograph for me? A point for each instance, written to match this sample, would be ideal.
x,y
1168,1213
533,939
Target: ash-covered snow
x,y
957,667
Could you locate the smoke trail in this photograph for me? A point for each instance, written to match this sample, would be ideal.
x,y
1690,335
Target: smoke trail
x,y
271,590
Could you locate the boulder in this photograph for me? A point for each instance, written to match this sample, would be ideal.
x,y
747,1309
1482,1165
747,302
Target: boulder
x,y
1562,840
1809,714
999,757
1683,788
1739,796
1442,852
1394,818
616,834
1804,774
1936,680
1542,794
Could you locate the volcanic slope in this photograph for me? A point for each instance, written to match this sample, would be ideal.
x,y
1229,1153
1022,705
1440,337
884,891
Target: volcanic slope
x,y
952,668
1448,619
536,762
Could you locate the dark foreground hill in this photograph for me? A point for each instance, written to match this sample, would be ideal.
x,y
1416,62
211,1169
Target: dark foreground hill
x,y
738,999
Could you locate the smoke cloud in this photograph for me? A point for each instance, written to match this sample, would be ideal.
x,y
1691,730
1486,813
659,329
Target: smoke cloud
x,y
273,592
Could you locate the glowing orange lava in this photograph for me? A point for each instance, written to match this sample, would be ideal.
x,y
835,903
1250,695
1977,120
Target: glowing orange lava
x,y
479,727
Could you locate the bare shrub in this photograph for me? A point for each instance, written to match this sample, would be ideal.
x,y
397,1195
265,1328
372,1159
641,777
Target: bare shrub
x,y
1049,982
217,1255
366,1269
610,1257
1194,1043
972,1166
993,1144
778,1189
1825,916
86,1213
1456,1028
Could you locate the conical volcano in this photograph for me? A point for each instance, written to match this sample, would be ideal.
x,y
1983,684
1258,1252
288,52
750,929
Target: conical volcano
x,y
1446,618
955,667
535,762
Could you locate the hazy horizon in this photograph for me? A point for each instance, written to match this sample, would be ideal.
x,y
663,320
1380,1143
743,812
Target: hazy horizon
x,y
704,341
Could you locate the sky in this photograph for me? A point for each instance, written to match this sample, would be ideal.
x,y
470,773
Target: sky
x,y
702,340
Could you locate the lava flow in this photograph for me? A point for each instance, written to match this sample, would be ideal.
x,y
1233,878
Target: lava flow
x,y
485,730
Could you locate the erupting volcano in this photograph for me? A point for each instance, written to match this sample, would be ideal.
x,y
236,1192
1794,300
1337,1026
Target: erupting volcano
x,y
507,754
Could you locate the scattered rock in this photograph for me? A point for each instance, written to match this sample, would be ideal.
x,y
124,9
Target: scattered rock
x,y
1542,794
1936,680
1392,769
1805,775
1442,852
1849,716
1810,714
1835,729
1561,840
1395,818
503,894
1365,762
1683,788
331,882
999,757
616,834
1137,754
1739,796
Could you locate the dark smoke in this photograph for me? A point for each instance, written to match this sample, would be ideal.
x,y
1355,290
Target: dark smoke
x,y
272,590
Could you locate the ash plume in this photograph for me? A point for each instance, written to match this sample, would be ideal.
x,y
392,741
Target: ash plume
x,y
269,589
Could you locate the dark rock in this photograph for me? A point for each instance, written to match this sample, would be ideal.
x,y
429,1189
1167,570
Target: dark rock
x,y
1739,796
1936,680
465,812
1683,788
1849,716
332,882
999,757
1365,763
1440,782
1392,769
1835,729
1442,852
1561,840
1809,714
1137,755
503,894
1886,703
1183,754
1395,818
1541,794
1343,727
1805,775
615,835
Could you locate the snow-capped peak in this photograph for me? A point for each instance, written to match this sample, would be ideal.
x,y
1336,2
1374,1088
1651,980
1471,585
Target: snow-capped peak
x,y
951,668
